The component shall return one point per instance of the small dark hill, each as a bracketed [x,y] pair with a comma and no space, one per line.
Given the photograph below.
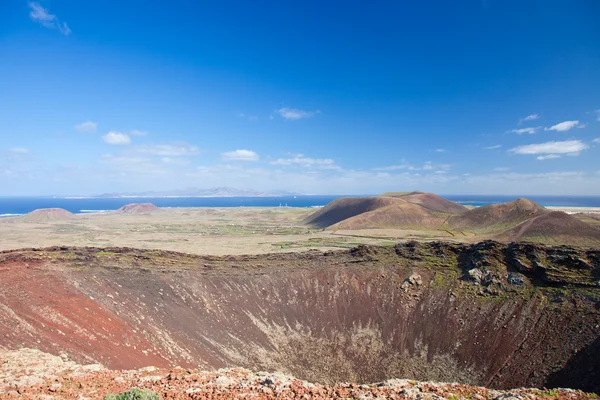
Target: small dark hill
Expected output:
[403,215]
[555,227]
[47,214]
[497,217]
[341,209]
[138,208]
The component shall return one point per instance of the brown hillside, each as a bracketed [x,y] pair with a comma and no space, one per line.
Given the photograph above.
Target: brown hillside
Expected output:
[434,202]
[341,209]
[497,217]
[47,214]
[138,208]
[424,205]
[403,215]
[555,227]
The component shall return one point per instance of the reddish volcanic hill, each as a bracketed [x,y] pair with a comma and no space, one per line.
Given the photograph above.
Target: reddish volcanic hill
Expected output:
[341,209]
[497,217]
[406,210]
[433,202]
[138,208]
[555,227]
[403,215]
[524,220]
[47,214]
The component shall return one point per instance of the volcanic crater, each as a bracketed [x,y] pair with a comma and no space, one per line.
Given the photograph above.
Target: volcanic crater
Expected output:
[493,314]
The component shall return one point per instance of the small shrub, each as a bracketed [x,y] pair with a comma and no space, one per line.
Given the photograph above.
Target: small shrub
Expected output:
[134,394]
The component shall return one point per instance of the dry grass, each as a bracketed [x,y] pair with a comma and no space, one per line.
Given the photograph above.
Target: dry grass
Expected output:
[216,231]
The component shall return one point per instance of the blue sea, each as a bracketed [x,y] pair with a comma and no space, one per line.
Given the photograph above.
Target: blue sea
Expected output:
[13,206]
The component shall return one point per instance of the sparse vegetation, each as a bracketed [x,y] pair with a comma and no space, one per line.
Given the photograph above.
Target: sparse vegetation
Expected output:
[134,394]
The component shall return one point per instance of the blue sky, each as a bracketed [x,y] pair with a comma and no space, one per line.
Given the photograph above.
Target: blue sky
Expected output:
[454,97]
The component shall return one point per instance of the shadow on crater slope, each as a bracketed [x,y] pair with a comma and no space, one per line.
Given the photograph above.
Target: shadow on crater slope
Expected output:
[499,315]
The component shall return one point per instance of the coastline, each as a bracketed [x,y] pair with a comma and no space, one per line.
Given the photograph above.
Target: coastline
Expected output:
[575,210]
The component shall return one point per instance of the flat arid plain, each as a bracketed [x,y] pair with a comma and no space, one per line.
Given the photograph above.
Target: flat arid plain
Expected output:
[234,231]
[215,231]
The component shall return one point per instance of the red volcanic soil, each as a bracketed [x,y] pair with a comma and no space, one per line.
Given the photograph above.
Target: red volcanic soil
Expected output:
[47,214]
[492,314]
[40,308]
[138,208]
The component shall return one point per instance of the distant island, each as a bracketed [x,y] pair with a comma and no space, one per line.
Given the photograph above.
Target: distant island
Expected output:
[196,192]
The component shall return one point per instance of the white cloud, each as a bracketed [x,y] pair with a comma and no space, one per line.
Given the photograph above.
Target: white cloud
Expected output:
[581,126]
[521,131]
[176,149]
[42,16]
[597,140]
[18,150]
[497,146]
[440,150]
[294,113]
[571,147]
[87,126]
[393,168]
[548,157]
[427,166]
[135,132]
[300,160]
[563,126]
[240,155]
[175,161]
[531,117]
[116,138]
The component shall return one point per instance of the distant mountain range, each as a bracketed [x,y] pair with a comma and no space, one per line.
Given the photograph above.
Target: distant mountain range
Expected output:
[196,192]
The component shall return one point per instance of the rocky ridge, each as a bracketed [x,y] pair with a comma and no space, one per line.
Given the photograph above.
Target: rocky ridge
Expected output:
[31,374]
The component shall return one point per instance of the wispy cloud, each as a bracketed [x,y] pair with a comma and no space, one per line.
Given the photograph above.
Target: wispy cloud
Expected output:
[116,138]
[569,147]
[295,113]
[531,117]
[135,132]
[501,169]
[496,146]
[521,131]
[240,155]
[176,149]
[427,166]
[301,160]
[597,140]
[598,113]
[42,16]
[440,150]
[87,127]
[563,126]
[548,157]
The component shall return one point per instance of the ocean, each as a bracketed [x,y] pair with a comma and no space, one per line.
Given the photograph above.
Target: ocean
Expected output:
[13,206]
